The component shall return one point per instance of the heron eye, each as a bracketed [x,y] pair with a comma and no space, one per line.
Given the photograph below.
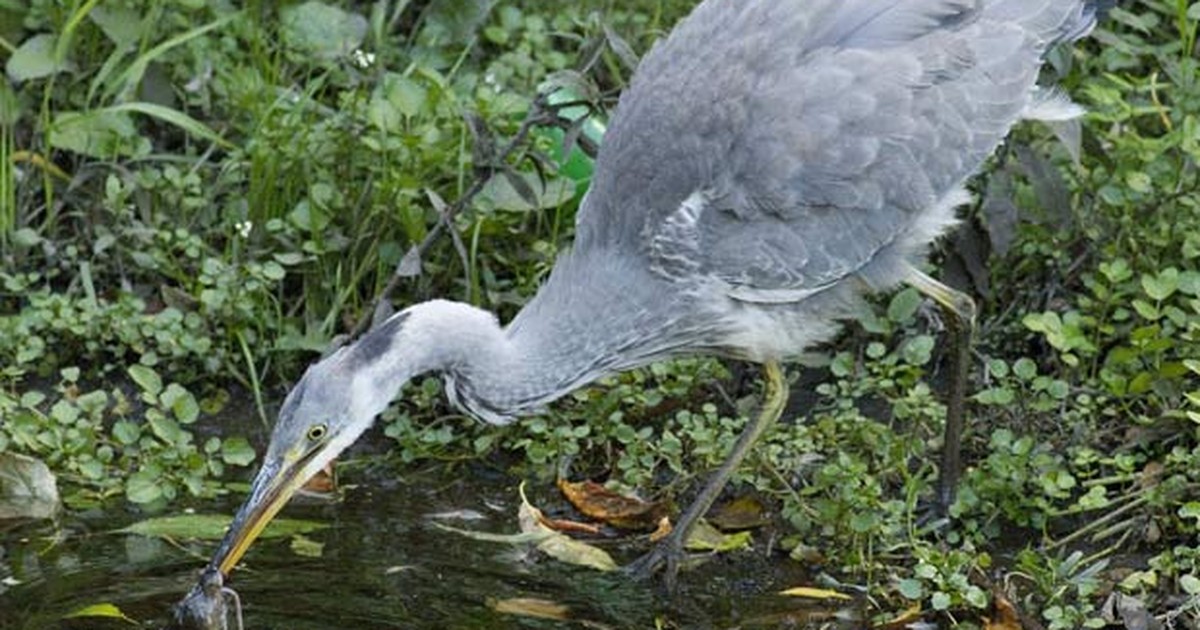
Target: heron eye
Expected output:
[316,432]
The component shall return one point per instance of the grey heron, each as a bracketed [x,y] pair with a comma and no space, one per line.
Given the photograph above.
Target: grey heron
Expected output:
[771,162]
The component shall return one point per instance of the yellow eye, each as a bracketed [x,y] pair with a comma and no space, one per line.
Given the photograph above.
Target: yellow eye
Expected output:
[316,432]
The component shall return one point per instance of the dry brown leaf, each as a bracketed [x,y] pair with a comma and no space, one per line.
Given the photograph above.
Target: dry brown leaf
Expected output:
[530,607]
[567,525]
[1006,617]
[1151,474]
[663,530]
[595,501]
[904,620]
[323,482]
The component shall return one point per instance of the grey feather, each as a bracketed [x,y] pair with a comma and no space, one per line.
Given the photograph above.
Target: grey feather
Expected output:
[823,134]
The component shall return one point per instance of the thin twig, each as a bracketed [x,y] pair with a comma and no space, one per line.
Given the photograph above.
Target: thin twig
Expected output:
[1100,522]
[539,114]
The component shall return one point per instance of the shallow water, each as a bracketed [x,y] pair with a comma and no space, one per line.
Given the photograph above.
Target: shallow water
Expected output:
[384,564]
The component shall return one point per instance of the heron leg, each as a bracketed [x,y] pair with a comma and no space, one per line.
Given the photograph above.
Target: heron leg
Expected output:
[670,550]
[959,309]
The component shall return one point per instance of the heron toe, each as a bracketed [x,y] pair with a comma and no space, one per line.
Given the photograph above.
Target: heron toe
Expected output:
[667,556]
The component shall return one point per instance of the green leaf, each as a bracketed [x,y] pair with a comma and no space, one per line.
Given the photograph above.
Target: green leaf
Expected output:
[273,271]
[105,611]
[904,305]
[918,350]
[146,378]
[213,526]
[323,31]
[705,537]
[181,403]
[1116,271]
[165,428]
[236,451]
[308,216]
[171,117]
[304,546]
[976,597]
[911,589]
[500,193]
[121,25]
[1190,584]
[1025,369]
[940,601]
[1161,286]
[397,96]
[127,82]
[289,258]
[10,113]
[126,432]
[34,59]
[143,487]
[98,133]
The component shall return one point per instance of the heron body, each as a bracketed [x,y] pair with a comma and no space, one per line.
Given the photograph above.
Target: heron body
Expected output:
[770,163]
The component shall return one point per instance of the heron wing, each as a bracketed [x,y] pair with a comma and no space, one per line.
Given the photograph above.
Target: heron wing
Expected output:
[782,146]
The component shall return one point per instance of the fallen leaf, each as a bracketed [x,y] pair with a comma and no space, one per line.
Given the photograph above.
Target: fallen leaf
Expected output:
[595,501]
[213,526]
[304,546]
[324,482]
[457,515]
[105,610]
[530,607]
[520,538]
[806,553]
[552,543]
[1134,614]
[1151,474]
[909,619]
[741,513]
[705,537]
[810,592]
[1006,617]
[566,525]
[27,488]
[663,530]
[560,546]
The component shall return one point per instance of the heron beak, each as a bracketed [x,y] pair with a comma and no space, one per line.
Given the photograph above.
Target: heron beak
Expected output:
[275,483]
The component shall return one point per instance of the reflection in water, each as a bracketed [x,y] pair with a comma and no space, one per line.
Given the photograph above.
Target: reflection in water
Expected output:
[383,564]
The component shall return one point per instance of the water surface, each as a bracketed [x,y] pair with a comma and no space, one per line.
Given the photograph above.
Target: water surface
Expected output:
[383,563]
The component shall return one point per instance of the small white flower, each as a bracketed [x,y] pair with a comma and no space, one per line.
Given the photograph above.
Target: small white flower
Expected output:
[363,59]
[243,228]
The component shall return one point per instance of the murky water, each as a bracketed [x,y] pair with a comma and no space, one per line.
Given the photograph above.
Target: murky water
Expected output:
[384,564]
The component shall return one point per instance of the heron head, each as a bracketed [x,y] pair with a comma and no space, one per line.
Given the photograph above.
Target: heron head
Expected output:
[338,398]
[319,419]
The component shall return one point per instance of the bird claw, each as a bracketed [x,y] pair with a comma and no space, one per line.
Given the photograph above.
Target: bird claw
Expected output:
[932,514]
[665,556]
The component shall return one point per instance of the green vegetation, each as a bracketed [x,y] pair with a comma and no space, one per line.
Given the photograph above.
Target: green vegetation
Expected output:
[195,201]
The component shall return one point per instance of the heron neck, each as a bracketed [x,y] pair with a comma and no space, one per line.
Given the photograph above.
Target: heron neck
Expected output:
[575,330]
[594,316]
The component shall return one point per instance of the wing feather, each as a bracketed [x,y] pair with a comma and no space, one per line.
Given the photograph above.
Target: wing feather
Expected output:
[812,136]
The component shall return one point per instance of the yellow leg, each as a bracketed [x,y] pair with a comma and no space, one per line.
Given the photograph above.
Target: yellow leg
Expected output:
[960,319]
[670,550]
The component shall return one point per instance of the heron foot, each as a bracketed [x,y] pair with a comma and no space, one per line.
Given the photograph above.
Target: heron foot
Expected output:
[932,515]
[667,555]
